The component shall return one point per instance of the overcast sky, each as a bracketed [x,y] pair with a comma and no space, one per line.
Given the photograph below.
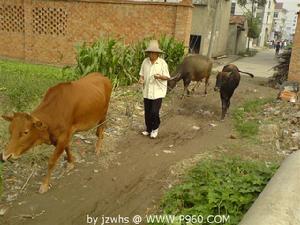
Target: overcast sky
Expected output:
[290,5]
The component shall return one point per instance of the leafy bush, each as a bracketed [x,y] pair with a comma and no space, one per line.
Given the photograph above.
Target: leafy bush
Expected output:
[121,62]
[219,187]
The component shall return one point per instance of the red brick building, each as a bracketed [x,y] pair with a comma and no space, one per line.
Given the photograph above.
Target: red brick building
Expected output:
[294,71]
[47,31]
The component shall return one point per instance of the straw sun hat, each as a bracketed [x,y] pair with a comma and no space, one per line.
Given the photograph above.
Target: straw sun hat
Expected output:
[153,47]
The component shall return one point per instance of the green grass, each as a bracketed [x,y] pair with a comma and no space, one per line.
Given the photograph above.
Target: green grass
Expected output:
[218,187]
[1,183]
[22,84]
[245,121]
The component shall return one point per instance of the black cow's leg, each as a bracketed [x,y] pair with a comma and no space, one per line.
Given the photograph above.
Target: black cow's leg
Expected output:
[224,107]
[228,103]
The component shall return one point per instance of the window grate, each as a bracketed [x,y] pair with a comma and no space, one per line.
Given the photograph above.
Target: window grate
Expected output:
[12,18]
[49,21]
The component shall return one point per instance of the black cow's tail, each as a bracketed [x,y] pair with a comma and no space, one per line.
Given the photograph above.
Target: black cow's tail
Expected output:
[250,74]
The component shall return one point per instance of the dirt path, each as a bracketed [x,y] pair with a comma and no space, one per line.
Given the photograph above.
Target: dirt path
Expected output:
[136,180]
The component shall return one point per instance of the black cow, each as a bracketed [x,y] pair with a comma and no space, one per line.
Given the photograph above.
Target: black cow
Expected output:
[227,81]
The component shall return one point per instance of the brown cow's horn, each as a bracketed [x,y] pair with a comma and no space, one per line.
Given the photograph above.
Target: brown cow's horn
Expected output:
[175,77]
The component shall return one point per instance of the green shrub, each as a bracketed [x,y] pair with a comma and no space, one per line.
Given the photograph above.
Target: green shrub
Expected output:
[218,187]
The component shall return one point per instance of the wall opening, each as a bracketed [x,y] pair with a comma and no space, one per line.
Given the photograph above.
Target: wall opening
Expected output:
[195,43]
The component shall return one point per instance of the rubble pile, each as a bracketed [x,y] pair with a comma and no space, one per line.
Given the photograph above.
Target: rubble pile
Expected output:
[281,70]
[281,126]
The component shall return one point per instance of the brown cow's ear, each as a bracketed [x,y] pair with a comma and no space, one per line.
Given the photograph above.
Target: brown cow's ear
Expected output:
[40,125]
[7,118]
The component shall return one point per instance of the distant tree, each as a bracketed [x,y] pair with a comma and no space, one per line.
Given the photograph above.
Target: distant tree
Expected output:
[253,22]
[253,26]
[252,2]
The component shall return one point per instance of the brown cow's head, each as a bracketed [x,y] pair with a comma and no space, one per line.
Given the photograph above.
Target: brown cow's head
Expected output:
[173,81]
[25,132]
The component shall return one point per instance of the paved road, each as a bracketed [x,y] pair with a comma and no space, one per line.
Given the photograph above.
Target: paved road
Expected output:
[260,65]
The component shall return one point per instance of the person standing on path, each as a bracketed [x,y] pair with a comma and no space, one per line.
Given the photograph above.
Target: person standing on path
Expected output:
[154,74]
[277,47]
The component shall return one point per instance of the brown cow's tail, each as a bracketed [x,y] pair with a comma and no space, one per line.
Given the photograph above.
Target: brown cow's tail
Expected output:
[250,74]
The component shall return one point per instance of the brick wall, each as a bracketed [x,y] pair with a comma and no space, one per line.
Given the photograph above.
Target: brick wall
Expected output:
[47,31]
[294,72]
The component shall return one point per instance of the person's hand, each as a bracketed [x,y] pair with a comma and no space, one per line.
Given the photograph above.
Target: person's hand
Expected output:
[141,80]
[157,76]
[161,77]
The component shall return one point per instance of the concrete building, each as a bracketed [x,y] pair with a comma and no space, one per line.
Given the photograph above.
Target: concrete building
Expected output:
[290,25]
[294,70]
[203,17]
[280,16]
[237,40]
[237,10]
[266,14]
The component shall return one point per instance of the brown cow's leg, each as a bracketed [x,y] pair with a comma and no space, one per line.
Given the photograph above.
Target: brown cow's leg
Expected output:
[206,85]
[70,159]
[186,83]
[100,134]
[52,161]
[196,86]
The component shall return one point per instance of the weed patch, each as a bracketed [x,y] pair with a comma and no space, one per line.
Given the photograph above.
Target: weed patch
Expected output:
[218,187]
[245,121]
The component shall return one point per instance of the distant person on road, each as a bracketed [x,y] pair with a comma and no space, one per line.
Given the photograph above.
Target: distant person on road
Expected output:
[277,48]
[154,74]
[284,44]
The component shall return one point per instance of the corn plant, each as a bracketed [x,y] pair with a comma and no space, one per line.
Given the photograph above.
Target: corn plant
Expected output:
[121,62]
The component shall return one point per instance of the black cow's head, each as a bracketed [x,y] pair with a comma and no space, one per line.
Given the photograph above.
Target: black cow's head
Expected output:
[221,78]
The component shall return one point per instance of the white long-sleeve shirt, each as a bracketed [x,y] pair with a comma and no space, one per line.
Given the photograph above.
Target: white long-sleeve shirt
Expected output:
[154,88]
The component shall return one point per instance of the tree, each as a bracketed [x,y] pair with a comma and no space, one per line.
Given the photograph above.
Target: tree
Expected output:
[260,3]
[253,21]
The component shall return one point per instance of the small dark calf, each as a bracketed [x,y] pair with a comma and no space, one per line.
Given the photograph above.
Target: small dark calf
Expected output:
[227,81]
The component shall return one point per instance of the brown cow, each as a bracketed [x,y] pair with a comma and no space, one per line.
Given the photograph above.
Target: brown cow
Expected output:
[65,109]
[193,68]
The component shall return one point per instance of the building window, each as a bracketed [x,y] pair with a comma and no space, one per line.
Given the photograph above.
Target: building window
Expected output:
[195,43]
[233,4]
[275,14]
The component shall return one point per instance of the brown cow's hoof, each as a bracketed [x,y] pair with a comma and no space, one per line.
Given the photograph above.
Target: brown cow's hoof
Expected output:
[43,188]
[70,166]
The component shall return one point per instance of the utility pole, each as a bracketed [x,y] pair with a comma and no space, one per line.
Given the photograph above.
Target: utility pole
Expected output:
[251,22]
[213,32]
